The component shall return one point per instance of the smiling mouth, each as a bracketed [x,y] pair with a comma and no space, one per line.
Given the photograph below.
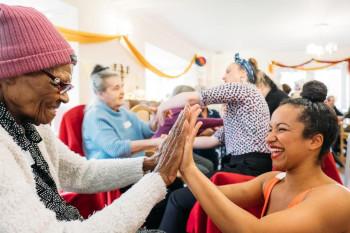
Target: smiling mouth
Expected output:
[276,152]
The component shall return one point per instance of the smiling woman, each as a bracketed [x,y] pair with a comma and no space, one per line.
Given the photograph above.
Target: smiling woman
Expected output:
[35,75]
[33,97]
[301,131]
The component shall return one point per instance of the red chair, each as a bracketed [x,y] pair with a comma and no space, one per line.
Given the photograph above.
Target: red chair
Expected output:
[198,221]
[330,169]
[70,129]
[70,133]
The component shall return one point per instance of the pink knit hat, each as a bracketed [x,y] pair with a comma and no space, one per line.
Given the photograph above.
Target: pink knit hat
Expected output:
[29,42]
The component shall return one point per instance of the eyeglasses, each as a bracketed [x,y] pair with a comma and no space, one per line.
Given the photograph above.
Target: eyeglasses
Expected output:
[62,87]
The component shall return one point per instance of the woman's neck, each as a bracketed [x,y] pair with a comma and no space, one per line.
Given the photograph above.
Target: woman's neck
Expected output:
[307,175]
[114,108]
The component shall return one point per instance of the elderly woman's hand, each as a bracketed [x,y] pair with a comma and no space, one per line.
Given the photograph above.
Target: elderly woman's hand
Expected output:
[149,163]
[171,150]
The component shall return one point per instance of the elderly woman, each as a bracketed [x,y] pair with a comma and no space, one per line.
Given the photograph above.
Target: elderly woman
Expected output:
[109,129]
[35,75]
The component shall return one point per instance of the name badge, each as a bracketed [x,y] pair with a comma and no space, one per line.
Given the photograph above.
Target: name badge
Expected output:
[127,124]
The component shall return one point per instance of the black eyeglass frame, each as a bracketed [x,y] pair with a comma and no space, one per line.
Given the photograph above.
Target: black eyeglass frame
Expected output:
[62,87]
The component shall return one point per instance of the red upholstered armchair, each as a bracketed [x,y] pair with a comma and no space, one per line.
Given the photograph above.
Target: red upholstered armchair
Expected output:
[70,133]
[199,222]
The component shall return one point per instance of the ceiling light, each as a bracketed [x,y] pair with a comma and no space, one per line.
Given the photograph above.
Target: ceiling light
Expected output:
[319,50]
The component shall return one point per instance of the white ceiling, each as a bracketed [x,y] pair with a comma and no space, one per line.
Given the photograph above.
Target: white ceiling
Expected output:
[225,25]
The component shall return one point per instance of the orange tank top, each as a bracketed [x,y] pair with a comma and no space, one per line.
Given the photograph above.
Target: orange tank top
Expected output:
[268,189]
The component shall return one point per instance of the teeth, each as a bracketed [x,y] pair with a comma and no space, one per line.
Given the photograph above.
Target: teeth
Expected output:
[274,150]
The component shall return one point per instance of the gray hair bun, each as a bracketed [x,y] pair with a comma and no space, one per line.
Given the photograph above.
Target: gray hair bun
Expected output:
[98,68]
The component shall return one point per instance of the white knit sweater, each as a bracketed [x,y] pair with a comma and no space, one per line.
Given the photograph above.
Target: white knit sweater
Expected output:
[22,211]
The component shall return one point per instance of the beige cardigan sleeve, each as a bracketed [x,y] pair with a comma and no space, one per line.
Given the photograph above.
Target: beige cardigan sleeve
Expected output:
[23,212]
[77,174]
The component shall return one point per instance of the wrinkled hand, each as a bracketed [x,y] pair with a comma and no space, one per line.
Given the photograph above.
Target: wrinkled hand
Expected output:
[149,163]
[187,159]
[172,148]
[161,139]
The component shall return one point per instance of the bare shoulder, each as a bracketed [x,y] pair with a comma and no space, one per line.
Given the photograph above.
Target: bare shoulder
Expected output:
[266,177]
[336,191]
[332,203]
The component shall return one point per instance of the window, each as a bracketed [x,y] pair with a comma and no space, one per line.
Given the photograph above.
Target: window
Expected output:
[333,80]
[336,79]
[295,79]
[159,88]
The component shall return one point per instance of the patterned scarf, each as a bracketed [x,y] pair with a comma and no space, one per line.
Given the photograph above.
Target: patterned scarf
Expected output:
[27,138]
[246,66]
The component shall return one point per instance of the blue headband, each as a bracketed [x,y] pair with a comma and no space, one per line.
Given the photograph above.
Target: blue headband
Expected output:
[246,66]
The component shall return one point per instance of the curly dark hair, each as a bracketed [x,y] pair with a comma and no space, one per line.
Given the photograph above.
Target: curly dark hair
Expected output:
[317,117]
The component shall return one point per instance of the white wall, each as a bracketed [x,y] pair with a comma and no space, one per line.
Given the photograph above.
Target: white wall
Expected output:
[102,17]
[264,58]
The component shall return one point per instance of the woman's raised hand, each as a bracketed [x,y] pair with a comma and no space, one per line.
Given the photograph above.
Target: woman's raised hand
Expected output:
[187,160]
[172,148]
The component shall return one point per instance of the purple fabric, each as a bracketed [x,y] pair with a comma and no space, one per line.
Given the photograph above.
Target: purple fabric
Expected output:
[169,122]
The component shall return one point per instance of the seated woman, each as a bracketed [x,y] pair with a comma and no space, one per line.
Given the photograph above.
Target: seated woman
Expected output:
[35,76]
[109,129]
[302,199]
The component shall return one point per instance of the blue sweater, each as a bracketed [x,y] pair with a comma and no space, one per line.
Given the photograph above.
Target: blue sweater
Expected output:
[108,134]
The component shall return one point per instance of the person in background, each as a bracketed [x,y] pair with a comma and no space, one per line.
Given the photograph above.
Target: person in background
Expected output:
[270,91]
[245,127]
[286,88]
[36,66]
[110,130]
[301,132]
[296,90]
[330,101]
[205,165]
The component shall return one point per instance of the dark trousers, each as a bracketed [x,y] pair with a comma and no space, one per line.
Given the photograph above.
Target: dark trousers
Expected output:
[155,216]
[182,200]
